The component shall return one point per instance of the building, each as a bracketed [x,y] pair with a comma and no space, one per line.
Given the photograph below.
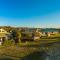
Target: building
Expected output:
[37,35]
[52,33]
[3,35]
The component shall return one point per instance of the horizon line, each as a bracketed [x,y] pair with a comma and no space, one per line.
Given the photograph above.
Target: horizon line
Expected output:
[27,27]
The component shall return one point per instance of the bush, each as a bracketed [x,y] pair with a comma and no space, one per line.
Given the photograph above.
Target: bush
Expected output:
[28,44]
[8,42]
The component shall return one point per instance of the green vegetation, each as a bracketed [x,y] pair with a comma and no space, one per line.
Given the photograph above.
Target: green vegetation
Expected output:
[16,35]
[15,49]
[26,50]
[56,35]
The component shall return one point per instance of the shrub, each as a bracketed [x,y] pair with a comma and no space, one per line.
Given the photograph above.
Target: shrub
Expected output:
[8,42]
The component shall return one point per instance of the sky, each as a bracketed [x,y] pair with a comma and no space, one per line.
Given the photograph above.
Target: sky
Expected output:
[30,13]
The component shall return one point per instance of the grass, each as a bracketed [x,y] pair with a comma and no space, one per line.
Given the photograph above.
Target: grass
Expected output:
[32,43]
[26,51]
[15,52]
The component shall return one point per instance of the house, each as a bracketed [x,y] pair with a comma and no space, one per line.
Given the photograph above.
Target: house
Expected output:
[26,36]
[3,35]
[52,33]
[37,35]
[43,34]
[31,35]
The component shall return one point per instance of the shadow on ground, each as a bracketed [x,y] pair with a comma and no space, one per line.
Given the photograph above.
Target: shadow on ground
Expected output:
[6,58]
[36,56]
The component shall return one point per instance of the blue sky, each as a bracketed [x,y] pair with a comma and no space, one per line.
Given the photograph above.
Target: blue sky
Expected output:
[30,13]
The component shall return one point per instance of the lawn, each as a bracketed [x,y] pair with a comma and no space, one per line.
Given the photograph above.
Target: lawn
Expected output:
[18,53]
[28,50]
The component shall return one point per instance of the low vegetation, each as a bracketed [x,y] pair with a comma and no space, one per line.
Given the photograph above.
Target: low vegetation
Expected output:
[26,51]
[16,49]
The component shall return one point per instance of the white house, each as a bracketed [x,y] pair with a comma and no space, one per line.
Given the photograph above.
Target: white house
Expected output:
[3,35]
[37,35]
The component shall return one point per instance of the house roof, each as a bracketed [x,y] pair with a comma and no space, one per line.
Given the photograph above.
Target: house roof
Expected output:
[3,33]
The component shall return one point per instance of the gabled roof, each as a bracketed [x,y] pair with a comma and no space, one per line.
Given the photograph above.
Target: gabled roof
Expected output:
[3,32]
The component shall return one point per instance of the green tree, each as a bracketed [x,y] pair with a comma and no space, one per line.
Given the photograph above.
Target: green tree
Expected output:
[16,35]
